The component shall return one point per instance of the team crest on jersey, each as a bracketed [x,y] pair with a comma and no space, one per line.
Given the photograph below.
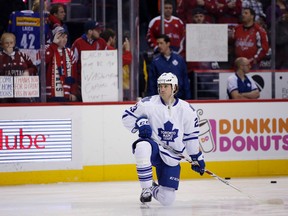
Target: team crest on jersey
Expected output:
[168,134]
[175,62]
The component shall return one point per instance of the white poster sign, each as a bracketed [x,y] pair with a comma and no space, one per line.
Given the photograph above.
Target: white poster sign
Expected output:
[99,76]
[206,42]
[26,86]
[6,86]
[263,81]
[281,85]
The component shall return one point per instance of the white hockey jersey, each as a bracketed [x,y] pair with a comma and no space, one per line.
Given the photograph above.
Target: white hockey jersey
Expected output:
[176,126]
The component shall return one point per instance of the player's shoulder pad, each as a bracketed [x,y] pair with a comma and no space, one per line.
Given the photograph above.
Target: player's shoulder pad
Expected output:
[184,105]
[146,100]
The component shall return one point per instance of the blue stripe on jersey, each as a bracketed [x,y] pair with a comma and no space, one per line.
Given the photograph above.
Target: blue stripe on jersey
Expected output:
[191,138]
[179,151]
[195,132]
[176,158]
[129,114]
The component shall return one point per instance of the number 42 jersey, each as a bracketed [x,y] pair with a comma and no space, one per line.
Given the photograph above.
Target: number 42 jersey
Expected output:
[25,25]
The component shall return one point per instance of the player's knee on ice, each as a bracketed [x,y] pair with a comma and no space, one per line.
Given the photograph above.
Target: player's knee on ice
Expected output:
[165,195]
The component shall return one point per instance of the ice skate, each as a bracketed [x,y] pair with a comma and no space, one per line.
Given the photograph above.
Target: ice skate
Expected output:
[146,195]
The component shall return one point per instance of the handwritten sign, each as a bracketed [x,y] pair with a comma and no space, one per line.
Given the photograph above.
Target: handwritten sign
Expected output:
[26,86]
[99,76]
[6,86]
[206,42]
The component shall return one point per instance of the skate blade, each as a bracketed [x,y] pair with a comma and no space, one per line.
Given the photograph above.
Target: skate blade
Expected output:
[144,205]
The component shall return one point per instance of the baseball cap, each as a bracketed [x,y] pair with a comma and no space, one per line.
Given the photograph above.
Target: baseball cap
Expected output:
[198,10]
[90,25]
[58,29]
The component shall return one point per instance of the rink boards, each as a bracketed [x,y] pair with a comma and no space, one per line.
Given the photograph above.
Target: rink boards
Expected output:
[87,142]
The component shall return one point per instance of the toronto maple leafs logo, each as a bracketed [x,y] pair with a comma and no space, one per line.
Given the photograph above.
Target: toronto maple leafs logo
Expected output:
[175,62]
[168,134]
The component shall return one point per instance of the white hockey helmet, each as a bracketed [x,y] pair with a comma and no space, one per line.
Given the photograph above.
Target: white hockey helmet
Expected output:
[169,78]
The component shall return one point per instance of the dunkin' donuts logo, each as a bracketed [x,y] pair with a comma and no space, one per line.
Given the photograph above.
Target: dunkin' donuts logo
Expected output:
[259,134]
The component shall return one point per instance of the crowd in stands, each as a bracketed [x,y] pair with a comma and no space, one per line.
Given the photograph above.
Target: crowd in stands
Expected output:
[249,29]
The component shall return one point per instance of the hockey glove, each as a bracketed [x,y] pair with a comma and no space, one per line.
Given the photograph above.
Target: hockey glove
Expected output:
[143,126]
[200,167]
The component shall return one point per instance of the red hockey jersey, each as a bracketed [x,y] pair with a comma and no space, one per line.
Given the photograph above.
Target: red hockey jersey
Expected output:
[251,42]
[174,28]
[16,64]
[60,72]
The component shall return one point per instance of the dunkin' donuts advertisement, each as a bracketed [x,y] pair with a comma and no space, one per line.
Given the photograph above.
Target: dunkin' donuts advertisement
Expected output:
[239,131]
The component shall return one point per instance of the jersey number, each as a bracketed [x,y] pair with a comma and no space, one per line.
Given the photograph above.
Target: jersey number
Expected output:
[27,41]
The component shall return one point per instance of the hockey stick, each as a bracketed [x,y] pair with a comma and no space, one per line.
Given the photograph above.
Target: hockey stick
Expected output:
[169,148]
[271,201]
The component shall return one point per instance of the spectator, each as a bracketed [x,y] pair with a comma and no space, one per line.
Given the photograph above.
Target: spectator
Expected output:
[90,40]
[282,42]
[239,85]
[163,120]
[185,8]
[257,6]
[281,8]
[173,27]
[168,60]
[60,69]
[36,6]
[228,11]
[250,39]
[56,18]
[110,37]
[199,16]
[14,63]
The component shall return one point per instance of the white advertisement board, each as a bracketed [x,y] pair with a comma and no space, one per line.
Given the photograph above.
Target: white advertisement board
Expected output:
[263,81]
[35,140]
[281,85]
[229,131]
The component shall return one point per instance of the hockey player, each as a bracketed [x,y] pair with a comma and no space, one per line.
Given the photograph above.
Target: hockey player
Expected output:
[163,120]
